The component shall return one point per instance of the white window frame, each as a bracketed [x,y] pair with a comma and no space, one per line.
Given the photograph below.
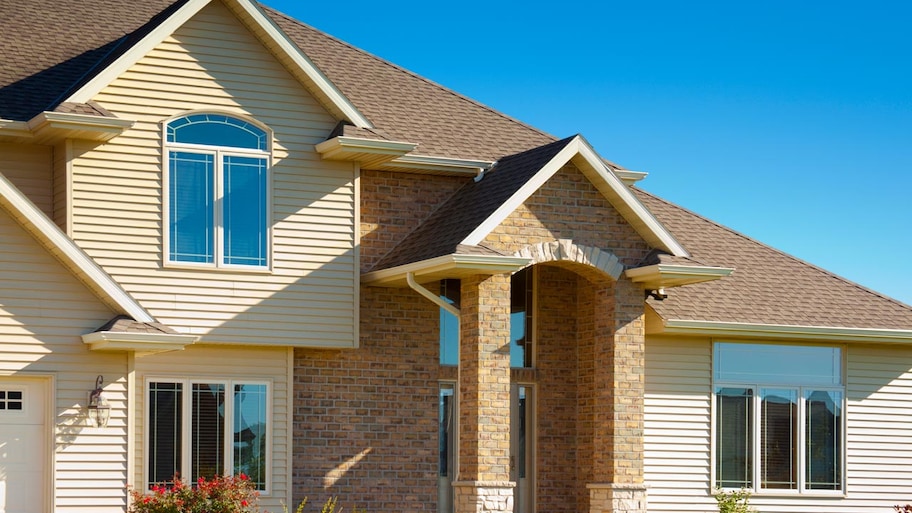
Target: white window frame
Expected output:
[186,422]
[801,439]
[218,153]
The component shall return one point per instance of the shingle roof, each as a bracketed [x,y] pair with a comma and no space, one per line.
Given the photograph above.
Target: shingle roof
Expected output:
[768,286]
[49,47]
[124,324]
[455,219]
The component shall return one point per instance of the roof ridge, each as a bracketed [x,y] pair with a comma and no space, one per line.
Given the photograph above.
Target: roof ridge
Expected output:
[411,73]
[776,250]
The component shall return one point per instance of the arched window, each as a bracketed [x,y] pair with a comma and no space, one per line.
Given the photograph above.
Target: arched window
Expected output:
[217,195]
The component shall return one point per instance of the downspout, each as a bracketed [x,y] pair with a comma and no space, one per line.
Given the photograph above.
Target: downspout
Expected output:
[434,298]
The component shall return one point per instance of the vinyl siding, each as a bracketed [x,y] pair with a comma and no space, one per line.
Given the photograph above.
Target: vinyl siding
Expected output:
[43,312]
[28,167]
[678,430]
[260,364]
[214,63]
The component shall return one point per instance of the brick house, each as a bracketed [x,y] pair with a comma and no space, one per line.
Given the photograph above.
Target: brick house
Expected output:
[273,253]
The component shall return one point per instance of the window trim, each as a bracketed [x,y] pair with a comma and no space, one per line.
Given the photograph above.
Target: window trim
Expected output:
[218,152]
[801,439]
[186,422]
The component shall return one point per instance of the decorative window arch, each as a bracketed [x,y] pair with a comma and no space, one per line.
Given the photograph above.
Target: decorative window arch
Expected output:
[217,201]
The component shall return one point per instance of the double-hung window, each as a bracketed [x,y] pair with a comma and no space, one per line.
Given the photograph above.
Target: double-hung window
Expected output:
[779,417]
[207,428]
[217,192]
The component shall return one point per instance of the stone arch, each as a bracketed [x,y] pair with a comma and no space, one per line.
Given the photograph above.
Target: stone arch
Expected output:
[566,251]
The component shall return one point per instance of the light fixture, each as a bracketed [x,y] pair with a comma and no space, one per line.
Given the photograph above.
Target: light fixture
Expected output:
[99,409]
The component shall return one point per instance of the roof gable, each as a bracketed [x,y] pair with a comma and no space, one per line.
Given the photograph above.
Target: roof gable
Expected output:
[261,25]
[64,249]
[29,87]
[479,207]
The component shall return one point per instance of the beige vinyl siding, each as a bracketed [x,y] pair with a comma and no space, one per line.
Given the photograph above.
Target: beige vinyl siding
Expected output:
[29,168]
[678,431]
[214,63]
[43,312]
[238,363]
[677,423]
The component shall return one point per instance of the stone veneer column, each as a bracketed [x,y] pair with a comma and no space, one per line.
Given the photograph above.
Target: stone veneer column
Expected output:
[620,337]
[484,397]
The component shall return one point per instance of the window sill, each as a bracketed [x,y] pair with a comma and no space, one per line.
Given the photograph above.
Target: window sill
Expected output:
[186,266]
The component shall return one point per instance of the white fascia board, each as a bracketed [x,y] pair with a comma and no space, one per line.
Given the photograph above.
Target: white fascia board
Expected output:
[11,128]
[137,51]
[669,275]
[70,121]
[542,176]
[442,163]
[73,257]
[639,211]
[783,331]
[305,64]
[181,16]
[146,343]
[627,176]
[355,144]
[483,264]
[579,146]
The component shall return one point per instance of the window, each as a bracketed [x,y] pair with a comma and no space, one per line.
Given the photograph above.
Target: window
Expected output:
[208,428]
[449,324]
[217,192]
[521,293]
[778,417]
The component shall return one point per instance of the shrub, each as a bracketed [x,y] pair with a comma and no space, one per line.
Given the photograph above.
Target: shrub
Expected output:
[903,509]
[221,494]
[735,501]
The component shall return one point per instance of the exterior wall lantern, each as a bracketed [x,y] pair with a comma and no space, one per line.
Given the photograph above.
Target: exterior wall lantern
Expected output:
[98,408]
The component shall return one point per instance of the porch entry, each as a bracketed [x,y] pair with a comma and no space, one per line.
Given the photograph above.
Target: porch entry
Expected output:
[522,447]
[23,446]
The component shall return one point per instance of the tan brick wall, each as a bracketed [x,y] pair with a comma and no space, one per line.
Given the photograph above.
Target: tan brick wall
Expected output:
[557,371]
[568,206]
[365,420]
[484,388]
[393,204]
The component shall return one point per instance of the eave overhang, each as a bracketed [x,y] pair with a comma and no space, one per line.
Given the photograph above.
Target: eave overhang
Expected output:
[427,164]
[370,153]
[50,127]
[670,275]
[447,266]
[141,343]
[780,331]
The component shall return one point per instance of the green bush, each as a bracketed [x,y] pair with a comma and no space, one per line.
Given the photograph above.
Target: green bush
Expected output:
[735,501]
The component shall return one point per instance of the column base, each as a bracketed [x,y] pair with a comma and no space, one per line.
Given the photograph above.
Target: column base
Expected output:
[617,498]
[483,496]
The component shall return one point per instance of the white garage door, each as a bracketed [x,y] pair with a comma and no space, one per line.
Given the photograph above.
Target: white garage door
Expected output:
[22,446]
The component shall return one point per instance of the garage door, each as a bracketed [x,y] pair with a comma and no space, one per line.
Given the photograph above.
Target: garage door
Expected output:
[23,442]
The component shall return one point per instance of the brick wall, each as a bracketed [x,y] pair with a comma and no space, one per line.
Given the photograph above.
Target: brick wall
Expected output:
[568,206]
[557,372]
[393,204]
[365,420]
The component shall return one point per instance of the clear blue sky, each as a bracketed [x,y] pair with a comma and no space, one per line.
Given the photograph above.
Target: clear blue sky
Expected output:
[790,122]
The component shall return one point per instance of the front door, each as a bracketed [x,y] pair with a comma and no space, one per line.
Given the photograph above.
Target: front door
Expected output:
[23,446]
[522,447]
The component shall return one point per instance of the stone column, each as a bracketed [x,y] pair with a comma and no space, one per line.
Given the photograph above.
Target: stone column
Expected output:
[484,397]
[619,388]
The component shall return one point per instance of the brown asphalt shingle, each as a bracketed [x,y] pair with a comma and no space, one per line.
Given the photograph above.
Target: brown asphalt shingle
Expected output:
[124,324]
[768,286]
[48,48]
[455,219]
